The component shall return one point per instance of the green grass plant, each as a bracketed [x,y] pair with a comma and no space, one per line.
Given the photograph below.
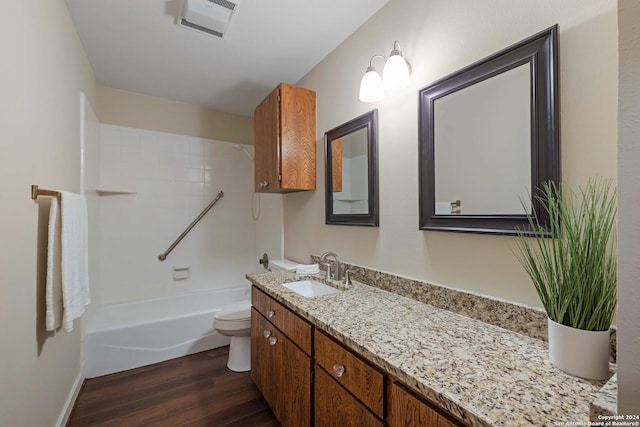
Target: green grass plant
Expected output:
[574,271]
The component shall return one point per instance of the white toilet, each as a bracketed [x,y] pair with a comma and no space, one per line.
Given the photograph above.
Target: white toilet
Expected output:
[235,321]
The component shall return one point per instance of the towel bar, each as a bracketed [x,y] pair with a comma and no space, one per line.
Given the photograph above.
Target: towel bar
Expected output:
[36,192]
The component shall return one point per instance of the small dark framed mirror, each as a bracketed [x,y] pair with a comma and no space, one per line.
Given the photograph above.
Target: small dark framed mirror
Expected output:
[351,172]
[489,139]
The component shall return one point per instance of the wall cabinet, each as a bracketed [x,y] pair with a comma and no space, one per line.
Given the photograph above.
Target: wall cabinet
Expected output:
[285,140]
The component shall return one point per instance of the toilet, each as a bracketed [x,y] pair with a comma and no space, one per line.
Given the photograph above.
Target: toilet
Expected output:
[234,321]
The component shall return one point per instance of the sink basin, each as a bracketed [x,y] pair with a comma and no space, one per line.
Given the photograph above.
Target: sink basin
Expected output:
[310,288]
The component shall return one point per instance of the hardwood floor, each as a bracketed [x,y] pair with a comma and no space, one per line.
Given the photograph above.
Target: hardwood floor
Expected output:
[195,390]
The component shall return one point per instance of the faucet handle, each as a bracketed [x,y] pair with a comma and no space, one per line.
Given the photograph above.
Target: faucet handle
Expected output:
[347,278]
[328,268]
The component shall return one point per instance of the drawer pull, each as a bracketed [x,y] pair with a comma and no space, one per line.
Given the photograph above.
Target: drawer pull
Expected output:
[273,340]
[338,370]
[266,333]
[270,314]
[263,184]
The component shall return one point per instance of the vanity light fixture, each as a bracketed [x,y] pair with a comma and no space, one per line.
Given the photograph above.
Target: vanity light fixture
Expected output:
[395,75]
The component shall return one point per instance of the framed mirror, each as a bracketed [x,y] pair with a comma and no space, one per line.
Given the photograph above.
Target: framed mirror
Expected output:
[351,172]
[489,139]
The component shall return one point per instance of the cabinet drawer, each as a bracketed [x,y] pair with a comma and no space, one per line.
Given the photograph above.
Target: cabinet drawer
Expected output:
[294,327]
[360,378]
[407,410]
[334,406]
[260,301]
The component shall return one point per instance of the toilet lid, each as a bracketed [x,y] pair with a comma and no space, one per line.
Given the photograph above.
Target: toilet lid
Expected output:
[236,311]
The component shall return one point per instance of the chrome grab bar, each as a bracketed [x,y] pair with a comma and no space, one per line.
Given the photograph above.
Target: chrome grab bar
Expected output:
[163,256]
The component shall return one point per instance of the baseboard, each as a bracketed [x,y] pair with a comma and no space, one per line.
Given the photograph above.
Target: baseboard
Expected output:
[71,400]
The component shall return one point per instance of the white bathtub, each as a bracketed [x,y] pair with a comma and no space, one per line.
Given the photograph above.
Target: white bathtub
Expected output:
[129,335]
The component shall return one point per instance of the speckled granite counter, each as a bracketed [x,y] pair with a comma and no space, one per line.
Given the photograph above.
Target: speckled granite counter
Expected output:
[483,374]
[604,402]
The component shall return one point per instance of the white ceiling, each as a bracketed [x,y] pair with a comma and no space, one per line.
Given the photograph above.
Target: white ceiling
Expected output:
[136,45]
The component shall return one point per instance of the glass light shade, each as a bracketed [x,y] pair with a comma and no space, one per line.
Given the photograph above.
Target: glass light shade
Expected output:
[371,89]
[396,73]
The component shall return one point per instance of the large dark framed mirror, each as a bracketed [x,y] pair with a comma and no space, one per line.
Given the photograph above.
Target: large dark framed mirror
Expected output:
[351,172]
[489,139]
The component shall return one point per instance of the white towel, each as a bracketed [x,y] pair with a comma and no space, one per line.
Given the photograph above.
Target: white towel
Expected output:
[53,318]
[307,269]
[74,257]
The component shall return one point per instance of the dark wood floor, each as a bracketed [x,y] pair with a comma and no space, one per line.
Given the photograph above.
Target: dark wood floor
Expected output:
[195,390]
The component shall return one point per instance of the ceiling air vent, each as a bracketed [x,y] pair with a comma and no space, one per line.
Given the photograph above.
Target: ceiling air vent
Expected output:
[208,16]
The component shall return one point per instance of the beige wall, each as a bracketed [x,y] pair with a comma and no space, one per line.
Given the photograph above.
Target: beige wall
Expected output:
[629,210]
[439,37]
[43,70]
[119,107]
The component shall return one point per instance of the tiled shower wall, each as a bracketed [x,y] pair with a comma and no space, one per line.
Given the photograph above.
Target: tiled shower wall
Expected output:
[171,178]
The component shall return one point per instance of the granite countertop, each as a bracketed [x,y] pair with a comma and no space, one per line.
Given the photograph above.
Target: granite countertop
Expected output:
[483,374]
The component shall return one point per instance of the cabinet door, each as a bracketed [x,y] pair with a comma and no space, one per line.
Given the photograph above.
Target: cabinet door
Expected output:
[334,406]
[406,410]
[261,361]
[267,143]
[282,373]
[298,138]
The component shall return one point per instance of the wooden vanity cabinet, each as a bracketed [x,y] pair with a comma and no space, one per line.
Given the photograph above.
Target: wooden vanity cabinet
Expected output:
[405,409]
[280,368]
[290,359]
[285,140]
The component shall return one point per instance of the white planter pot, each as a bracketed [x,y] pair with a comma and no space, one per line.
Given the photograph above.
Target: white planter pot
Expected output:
[578,352]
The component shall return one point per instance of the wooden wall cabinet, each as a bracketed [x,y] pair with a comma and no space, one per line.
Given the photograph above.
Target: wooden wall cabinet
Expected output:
[285,141]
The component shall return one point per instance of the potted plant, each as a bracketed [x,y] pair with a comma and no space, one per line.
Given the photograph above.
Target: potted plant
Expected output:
[574,273]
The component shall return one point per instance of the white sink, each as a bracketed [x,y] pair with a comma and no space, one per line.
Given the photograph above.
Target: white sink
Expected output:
[310,288]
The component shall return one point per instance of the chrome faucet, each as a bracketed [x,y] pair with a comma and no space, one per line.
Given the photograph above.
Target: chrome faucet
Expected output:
[336,273]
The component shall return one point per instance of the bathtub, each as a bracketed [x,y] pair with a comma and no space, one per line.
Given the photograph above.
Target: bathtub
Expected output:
[129,335]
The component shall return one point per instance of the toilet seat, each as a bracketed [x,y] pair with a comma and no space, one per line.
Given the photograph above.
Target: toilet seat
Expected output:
[234,317]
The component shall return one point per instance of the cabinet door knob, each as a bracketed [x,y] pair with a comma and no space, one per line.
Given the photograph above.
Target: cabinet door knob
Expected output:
[338,370]
[270,314]
[266,333]
[273,340]
[263,184]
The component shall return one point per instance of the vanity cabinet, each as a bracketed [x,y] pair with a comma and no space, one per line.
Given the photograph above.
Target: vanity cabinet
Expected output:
[285,140]
[280,368]
[293,363]
[405,409]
